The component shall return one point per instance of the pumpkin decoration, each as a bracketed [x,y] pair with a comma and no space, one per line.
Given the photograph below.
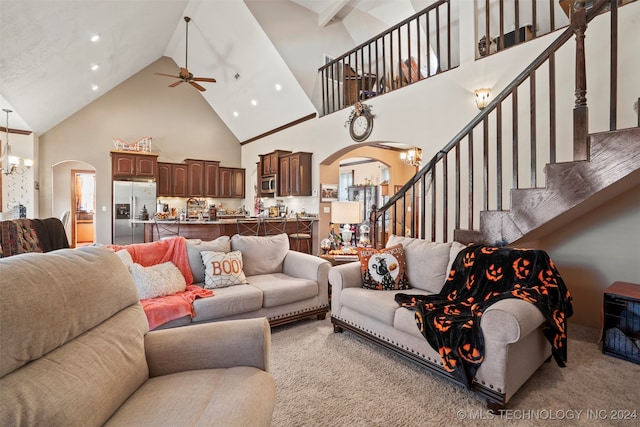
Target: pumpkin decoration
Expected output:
[523,294]
[471,280]
[470,353]
[468,324]
[521,268]
[494,273]
[468,302]
[453,295]
[469,259]
[451,310]
[442,323]
[548,278]
[491,295]
[452,274]
[420,321]
[488,250]
[558,318]
[448,359]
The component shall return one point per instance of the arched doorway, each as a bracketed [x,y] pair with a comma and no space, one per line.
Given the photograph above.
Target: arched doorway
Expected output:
[364,160]
[73,191]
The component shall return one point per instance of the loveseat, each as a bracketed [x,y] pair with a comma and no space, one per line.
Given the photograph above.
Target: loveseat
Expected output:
[513,329]
[76,351]
[277,283]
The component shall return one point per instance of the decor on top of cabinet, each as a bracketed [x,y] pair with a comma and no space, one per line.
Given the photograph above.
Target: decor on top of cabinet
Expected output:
[142,144]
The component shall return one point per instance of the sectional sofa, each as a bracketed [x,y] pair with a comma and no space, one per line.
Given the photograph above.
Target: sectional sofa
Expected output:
[76,351]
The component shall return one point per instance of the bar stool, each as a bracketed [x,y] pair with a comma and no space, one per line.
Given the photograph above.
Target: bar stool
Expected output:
[273,227]
[248,227]
[302,234]
[167,229]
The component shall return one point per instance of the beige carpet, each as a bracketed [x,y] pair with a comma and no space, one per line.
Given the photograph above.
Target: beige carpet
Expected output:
[328,379]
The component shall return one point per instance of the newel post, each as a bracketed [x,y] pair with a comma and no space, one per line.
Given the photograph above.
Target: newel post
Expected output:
[581,110]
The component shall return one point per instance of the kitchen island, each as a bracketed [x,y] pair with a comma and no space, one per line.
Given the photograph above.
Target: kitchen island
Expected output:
[210,230]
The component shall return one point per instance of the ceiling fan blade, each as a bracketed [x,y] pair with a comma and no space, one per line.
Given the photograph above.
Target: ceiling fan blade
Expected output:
[166,75]
[203,79]
[197,86]
[176,83]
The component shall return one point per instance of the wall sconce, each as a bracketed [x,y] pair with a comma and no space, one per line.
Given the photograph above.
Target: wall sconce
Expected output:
[482,97]
[10,163]
[412,157]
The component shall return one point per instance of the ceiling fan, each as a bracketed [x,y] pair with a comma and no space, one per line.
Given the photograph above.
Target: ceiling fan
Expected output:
[185,76]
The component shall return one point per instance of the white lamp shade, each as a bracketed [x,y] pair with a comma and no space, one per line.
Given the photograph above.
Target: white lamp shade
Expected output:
[346,213]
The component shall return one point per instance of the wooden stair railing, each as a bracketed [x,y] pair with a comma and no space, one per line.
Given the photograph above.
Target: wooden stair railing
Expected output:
[407,212]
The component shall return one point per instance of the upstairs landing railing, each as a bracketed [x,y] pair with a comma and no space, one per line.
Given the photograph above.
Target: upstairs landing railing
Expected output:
[449,192]
[425,45]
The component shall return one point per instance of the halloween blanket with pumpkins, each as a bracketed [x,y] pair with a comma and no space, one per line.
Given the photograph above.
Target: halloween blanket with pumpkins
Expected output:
[480,276]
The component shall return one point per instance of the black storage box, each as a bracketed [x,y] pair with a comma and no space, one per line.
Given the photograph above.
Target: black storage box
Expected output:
[621,321]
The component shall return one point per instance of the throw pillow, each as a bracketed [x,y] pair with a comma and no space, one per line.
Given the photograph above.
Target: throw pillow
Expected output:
[157,280]
[125,257]
[196,246]
[222,269]
[383,269]
[427,262]
[262,254]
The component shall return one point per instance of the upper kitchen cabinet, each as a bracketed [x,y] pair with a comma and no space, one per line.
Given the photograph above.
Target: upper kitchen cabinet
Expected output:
[271,162]
[295,174]
[126,165]
[203,177]
[172,180]
[231,182]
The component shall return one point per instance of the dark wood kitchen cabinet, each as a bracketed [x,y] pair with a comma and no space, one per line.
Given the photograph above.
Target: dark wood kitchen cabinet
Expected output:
[126,165]
[172,180]
[195,183]
[295,175]
[270,162]
[203,178]
[211,178]
[231,182]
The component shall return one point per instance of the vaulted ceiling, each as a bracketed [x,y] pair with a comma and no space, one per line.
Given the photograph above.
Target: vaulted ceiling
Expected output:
[50,68]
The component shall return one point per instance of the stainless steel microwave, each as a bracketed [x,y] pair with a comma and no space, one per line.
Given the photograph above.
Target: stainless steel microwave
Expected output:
[268,186]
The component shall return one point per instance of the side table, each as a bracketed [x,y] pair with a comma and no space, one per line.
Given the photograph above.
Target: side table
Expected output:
[621,321]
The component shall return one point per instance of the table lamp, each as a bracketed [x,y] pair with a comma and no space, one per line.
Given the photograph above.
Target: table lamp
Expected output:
[346,213]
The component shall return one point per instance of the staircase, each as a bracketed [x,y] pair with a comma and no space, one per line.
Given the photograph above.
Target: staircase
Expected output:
[454,187]
[572,188]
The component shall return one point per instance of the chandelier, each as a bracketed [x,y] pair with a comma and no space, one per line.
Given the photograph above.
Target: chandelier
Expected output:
[412,157]
[12,164]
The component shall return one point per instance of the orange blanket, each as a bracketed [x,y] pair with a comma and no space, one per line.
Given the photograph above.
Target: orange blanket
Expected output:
[160,310]
[163,309]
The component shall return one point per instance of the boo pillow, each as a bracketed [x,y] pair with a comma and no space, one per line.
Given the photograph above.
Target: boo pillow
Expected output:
[222,269]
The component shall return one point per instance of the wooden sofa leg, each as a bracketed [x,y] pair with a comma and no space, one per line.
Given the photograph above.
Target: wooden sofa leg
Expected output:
[337,329]
[494,407]
[322,316]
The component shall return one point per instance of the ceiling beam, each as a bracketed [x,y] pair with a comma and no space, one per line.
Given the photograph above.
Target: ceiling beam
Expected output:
[331,11]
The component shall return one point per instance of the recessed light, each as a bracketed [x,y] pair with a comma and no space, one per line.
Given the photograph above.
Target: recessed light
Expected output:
[278,86]
[94,87]
[95,67]
[235,114]
[254,102]
[95,38]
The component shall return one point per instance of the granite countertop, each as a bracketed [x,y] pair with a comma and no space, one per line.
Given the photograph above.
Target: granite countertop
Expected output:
[218,221]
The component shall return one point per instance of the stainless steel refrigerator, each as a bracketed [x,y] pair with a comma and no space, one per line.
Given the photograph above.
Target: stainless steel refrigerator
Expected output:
[129,197]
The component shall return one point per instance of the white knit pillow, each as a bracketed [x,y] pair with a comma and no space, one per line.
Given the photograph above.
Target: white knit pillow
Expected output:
[222,269]
[157,280]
